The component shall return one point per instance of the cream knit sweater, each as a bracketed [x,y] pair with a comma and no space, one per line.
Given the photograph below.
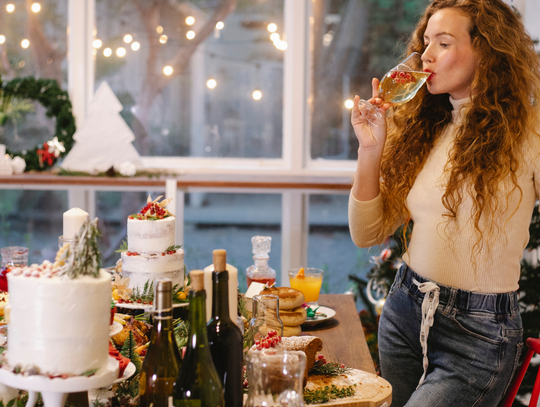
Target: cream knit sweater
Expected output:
[441,251]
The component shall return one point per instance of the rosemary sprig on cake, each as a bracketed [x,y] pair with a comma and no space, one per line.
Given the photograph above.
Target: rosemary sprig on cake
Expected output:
[83,258]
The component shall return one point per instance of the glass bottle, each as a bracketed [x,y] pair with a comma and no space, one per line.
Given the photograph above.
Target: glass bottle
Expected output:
[198,383]
[260,271]
[224,337]
[162,362]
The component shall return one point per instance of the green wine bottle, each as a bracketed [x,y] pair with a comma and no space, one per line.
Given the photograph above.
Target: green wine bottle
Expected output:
[224,336]
[162,362]
[198,384]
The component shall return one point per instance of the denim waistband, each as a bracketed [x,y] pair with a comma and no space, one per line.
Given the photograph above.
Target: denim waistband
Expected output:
[462,300]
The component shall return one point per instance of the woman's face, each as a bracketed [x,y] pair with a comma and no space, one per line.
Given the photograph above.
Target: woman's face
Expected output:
[449,54]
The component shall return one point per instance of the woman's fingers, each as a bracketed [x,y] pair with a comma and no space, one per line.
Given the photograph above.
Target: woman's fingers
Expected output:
[375,88]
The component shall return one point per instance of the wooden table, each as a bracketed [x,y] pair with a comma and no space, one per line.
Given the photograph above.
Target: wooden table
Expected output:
[342,336]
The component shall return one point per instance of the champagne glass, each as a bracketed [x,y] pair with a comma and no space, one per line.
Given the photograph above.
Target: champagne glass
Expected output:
[398,86]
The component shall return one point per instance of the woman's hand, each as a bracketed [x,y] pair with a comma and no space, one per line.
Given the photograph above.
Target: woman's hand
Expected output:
[370,136]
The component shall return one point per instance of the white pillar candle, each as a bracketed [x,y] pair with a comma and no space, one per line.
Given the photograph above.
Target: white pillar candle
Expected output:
[73,220]
[233,291]
[2,151]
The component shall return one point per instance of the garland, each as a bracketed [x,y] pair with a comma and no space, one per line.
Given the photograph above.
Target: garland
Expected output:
[56,101]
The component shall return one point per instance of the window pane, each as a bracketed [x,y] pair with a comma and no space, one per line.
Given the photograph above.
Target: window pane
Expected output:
[31,44]
[229,221]
[193,96]
[32,219]
[353,42]
[330,246]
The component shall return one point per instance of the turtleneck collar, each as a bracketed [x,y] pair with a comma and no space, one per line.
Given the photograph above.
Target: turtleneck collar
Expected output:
[458,106]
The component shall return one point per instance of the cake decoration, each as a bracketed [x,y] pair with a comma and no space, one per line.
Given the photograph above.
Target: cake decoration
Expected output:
[153,210]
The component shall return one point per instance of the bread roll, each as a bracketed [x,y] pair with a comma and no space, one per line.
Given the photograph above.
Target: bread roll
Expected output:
[289,298]
[290,317]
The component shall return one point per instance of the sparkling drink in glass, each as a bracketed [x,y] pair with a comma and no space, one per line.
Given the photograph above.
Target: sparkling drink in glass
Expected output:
[399,85]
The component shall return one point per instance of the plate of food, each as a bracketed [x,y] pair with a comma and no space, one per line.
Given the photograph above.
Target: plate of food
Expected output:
[318,314]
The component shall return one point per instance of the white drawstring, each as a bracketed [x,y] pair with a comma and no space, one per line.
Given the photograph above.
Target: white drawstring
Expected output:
[429,306]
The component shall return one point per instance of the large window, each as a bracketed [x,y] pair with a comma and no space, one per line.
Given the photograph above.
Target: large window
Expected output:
[195,79]
[353,42]
[33,42]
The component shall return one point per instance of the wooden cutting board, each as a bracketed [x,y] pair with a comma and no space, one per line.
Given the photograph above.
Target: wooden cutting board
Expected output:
[371,390]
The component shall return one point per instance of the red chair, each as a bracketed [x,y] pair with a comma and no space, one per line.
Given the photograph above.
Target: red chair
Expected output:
[534,347]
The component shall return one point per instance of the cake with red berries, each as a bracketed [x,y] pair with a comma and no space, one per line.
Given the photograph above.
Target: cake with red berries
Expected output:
[151,250]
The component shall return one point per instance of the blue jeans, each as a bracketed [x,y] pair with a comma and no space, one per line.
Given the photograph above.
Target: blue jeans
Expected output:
[473,346]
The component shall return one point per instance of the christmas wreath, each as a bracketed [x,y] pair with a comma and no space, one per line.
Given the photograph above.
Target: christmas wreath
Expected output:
[57,105]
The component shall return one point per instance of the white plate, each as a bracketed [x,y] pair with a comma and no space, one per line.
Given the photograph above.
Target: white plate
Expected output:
[149,307]
[128,372]
[115,328]
[329,312]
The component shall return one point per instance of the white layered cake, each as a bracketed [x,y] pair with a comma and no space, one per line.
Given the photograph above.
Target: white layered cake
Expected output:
[58,325]
[152,253]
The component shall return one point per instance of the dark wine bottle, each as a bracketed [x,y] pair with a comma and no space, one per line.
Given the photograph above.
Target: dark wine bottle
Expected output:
[198,383]
[224,336]
[162,362]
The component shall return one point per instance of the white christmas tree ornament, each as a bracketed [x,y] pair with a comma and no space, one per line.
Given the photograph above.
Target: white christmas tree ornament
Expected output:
[105,139]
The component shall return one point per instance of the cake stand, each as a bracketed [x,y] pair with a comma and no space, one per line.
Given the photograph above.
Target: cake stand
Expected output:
[54,391]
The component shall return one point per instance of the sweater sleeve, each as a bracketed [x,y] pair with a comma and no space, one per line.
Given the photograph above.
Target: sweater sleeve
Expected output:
[365,222]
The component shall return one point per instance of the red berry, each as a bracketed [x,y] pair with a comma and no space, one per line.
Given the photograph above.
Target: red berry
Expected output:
[342,365]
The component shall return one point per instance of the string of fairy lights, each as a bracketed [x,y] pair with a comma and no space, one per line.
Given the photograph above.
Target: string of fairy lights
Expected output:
[135,46]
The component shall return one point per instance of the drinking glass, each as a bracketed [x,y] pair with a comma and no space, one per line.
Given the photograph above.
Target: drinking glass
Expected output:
[265,316]
[398,86]
[275,378]
[309,283]
[14,256]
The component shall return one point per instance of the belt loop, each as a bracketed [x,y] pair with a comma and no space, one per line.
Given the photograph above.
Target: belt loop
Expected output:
[513,302]
[451,301]
[403,270]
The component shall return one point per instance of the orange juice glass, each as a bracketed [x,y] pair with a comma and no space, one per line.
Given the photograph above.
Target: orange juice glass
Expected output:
[310,283]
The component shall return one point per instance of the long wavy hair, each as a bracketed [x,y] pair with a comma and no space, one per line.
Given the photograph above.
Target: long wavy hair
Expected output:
[488,146]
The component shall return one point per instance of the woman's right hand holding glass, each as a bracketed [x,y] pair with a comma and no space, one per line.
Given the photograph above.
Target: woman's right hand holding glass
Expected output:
[370,135]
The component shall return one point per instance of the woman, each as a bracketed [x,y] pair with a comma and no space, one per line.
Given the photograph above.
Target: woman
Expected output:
[461,160]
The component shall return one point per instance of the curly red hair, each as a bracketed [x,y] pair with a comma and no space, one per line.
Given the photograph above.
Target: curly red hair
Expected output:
[488,147]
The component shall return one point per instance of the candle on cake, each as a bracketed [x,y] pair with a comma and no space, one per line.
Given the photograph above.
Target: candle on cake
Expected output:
[73,220]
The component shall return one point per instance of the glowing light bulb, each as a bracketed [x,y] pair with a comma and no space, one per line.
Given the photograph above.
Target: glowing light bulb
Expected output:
[36,7]
[107,52]
[10,8]
[190,20]
[256,95]
[272,27]
[190,35]
[163,39]
[168,70]
[128,38]
[274,37]
[281,45]
[97,43]
[25,43]
[2,39]
[211,83]
[349,104]
[135,46]
[120,52]
[159,29]
[220,25]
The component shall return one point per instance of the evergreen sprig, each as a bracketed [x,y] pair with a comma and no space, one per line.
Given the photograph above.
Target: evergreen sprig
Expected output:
[173,248]
[123,247]
[85,257]
[328,393]
[328,368]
